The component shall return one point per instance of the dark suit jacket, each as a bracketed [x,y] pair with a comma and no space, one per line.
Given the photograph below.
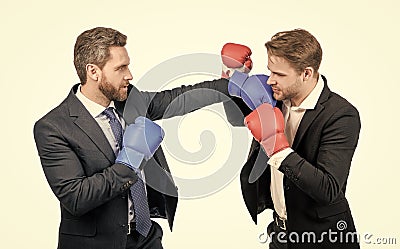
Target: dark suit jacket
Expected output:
[315,175]
[78,163]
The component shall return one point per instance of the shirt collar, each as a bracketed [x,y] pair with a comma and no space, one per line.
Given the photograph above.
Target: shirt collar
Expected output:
[94,109]
[311,100]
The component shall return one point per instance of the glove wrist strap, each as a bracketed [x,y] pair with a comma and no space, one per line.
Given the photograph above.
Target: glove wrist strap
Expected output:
[274,144]
[130,157]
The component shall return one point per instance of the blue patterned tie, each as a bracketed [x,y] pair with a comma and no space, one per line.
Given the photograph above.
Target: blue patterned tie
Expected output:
[138,194]
[142,213]
[116,126]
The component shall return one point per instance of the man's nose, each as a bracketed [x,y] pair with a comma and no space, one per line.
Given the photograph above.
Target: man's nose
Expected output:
[271,81]
[128,76]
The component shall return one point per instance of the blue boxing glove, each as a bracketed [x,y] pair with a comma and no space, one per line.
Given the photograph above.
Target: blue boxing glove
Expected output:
[141,139]
[254,90]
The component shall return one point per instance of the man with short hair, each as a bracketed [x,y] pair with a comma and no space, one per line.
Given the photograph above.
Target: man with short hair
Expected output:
[303,148]
[97,172]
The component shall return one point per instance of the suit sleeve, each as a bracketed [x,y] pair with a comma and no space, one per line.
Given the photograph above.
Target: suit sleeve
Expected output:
[236,110]
[77,192]
[185,99]
[324,181]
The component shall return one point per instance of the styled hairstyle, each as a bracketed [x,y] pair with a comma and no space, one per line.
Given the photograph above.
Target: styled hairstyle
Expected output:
[92,47]
[300,48]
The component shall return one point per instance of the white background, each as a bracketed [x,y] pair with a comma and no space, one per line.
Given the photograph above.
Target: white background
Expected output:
[361,61]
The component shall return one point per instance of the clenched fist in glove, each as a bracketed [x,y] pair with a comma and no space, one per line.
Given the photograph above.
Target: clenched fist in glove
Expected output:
[267,125]
[254,90]
[235,57]
[141,139]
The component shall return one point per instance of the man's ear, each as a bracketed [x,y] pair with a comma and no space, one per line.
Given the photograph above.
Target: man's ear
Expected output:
[308,73]
[93,72]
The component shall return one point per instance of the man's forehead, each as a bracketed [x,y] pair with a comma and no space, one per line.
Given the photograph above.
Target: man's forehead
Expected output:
[119,54]
[279,65]
[118,51]
[278,62]
[273,59]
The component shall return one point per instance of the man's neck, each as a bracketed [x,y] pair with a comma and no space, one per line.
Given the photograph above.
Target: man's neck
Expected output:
[308,87]
[93,93]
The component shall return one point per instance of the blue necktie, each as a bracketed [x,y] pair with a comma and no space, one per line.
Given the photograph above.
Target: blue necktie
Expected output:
[116,126]
[138,194]
[142,213]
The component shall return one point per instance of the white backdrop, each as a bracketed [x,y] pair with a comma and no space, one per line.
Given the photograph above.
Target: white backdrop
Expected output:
[361,58]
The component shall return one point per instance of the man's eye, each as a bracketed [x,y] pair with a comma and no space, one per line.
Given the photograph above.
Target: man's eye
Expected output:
[279,74]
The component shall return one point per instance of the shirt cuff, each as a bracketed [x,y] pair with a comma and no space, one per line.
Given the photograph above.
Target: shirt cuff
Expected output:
[277,159]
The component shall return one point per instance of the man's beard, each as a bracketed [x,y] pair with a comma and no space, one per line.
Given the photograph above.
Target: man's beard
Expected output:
[291,91]
[111,92]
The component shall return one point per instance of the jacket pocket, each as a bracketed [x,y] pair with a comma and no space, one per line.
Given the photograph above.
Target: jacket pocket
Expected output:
[78,227]
[332,209]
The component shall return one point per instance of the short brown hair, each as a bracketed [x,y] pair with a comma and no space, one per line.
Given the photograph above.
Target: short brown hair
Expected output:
[300,48]
[92,47]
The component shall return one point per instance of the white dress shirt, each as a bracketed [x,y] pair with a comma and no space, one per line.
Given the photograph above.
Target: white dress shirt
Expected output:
[96,111]
[293,116]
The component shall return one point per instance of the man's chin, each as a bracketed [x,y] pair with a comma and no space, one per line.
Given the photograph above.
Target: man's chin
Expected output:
[278,97]
[121,96]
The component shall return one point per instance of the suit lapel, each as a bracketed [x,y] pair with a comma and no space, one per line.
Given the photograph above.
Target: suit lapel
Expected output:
[305,123]
[311,115]
[88,125]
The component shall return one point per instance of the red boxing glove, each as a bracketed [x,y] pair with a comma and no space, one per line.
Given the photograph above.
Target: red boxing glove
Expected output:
[235,57]
[267,125]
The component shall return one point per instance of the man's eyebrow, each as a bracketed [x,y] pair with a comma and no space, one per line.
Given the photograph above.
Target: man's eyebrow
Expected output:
[122,65]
